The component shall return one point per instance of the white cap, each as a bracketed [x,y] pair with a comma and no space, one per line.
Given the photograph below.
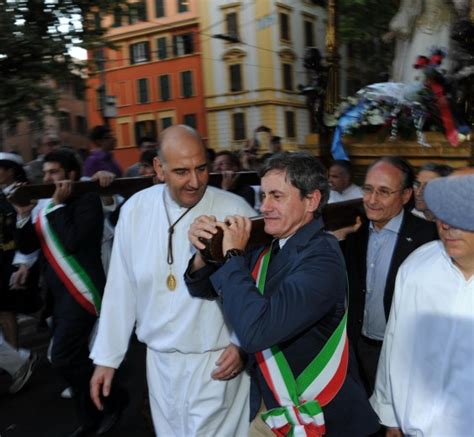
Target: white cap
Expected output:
[12,157]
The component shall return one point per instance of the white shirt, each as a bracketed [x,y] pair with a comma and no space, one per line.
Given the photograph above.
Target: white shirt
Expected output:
[136,291]
[350,193]
[425,378]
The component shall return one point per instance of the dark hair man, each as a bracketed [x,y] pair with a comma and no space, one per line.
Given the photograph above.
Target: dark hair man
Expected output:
[427,172]
[144,144]
[286,303]
[189,358]
[228,164]
[375,251]
[424,382]
[69,232]
[100,157]
[340,182]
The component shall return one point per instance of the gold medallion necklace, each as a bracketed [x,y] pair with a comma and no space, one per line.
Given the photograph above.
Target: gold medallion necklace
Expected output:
[171,279]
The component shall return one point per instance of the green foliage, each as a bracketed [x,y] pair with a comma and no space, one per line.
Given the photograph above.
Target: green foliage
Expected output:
[34,41]
[362,23]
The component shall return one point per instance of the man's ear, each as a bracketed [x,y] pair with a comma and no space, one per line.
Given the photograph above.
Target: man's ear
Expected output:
[406,195]
[72,175]
[157,165]
[314,199]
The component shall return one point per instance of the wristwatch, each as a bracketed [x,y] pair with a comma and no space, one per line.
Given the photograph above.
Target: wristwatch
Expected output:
[233,252]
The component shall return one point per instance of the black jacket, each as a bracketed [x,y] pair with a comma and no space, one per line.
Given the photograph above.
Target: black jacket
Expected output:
[414,232]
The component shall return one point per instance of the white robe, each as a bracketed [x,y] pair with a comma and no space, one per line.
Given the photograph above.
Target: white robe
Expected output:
[184,335]
[352,192]
[425,377]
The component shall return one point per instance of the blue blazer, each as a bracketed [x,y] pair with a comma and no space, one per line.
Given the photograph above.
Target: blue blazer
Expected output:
[304,301]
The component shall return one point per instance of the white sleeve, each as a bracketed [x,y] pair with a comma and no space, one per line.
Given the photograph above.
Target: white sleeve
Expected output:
[382,399]
[23,258]
[118,312]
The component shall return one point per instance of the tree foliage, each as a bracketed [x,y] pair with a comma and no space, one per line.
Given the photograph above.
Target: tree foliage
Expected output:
[35,38]
[362,23]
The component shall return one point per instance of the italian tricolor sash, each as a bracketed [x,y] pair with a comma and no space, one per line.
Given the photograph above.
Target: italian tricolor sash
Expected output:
[301,400]
[66,266]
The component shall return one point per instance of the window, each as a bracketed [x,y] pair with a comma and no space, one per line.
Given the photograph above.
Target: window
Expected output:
[98,57]
[290,124]
[139,52]
[64,121]
[143,91]
[97,20]
[146,128]
[164,87]
[162,49]
[287,77]
[79,88]
[183,44]
[239,126]
[235,78]
[284,26]
[232,28]
[118,16]
[190,120]
[182,6]
[159,8]
[166,122]
[186,84]
[137,12]
[308,34]
[81,124]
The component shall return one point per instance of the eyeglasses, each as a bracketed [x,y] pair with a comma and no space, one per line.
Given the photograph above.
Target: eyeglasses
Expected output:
[383,193]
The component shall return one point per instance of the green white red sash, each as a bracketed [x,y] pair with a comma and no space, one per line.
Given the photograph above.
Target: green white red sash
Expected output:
[301,400]
[66,266]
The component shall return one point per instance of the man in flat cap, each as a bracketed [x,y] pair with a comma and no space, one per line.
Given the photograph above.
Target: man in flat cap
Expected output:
[425,379]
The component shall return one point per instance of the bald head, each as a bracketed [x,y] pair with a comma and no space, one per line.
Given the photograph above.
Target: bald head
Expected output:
[182,164]
[174,137]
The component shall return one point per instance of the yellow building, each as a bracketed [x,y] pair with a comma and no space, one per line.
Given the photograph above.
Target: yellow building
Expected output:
[252,55]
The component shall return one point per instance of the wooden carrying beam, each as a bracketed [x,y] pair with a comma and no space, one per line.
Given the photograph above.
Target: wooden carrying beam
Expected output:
[335,216]
[24,194]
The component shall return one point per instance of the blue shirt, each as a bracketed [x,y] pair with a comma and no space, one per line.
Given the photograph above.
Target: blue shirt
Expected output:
[379,257]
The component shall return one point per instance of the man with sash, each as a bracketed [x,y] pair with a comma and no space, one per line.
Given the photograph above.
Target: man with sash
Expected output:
[69,232]
[287,305]
[191,363]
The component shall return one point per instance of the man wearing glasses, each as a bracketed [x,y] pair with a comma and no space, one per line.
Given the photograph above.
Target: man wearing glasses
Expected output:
[375,251]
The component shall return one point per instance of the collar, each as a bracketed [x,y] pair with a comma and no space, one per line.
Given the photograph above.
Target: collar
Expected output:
[8,189]
[303,234]
[393,225]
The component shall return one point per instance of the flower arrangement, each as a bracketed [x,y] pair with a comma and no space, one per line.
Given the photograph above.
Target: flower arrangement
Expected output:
[394,109]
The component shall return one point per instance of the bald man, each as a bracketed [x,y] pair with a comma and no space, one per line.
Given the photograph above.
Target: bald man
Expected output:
[193,370]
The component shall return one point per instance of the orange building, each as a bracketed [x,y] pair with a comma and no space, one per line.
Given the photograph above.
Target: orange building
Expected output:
[154,73]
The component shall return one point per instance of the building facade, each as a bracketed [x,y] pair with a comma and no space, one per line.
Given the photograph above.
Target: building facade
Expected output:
[252,54]
[153,73]
[69,123]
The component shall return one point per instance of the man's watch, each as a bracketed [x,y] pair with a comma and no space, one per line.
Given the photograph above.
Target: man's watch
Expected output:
[233,252]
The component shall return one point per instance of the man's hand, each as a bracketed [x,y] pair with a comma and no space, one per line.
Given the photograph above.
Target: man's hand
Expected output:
[342,233]
[104,177]
[393,432]
[62,192]
[204,226]
[18,278]
[236,232]
[229,364]
[100,385]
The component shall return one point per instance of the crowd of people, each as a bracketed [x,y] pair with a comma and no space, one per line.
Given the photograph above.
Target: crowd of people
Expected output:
[366,330]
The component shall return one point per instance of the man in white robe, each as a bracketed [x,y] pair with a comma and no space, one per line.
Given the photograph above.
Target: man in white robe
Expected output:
[192,370]
[425,378]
